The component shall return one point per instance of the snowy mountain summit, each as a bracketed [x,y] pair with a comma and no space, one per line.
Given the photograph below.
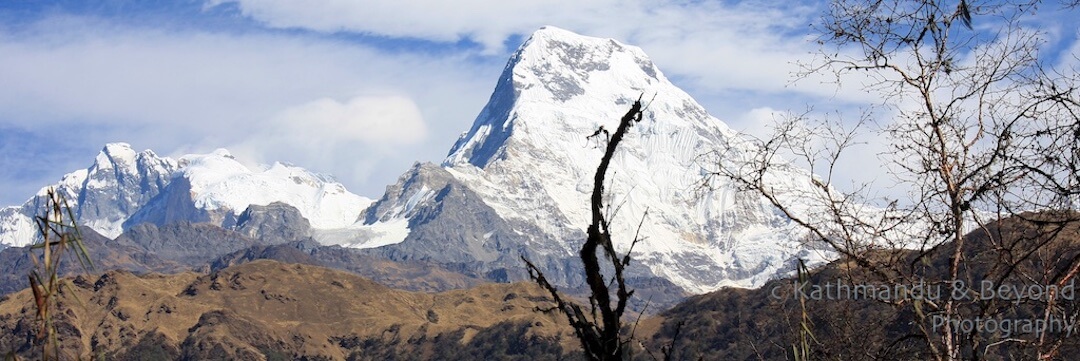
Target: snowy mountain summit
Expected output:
[124,188]
[530,162]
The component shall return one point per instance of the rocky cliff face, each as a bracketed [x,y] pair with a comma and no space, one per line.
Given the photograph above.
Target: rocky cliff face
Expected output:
[450,223]
[102,196]
[274,223]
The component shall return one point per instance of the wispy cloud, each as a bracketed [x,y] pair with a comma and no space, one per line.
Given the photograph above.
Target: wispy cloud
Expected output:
[483,21]
[748,44]
[346,137]
[386,120]
[727,53]
[194,91]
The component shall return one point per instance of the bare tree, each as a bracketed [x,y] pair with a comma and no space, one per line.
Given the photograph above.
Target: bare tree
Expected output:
[599,329]
[59,239]
[982,129]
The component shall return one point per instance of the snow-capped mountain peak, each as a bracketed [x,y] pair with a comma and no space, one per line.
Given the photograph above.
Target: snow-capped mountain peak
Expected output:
[219,182]
[105,194]
[529,157]
[564,65]
[124,187]
[115,154]
[562,83]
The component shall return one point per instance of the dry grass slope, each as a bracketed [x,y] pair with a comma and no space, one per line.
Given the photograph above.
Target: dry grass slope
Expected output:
[266,310]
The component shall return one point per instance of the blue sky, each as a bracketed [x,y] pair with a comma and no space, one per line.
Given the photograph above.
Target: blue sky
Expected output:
[192,76]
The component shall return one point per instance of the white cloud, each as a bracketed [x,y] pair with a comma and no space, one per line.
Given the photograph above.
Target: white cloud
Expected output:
[711,45]
[759,122]
[179,92]
[389,120]
[349,138]
[1069,61]
[484,21]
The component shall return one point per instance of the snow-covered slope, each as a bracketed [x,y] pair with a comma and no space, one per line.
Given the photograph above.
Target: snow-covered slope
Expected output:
[124,187]
[527,156]
[219,182]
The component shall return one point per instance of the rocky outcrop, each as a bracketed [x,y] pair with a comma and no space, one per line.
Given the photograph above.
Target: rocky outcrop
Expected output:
[451,225]
[191,244]
[274,223]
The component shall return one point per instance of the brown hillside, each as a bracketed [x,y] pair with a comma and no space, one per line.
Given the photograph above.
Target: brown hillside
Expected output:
[1029,250]
[266,310]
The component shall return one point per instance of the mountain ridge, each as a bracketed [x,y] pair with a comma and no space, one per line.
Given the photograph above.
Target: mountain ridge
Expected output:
[265,309]
[515,184]
[124,188]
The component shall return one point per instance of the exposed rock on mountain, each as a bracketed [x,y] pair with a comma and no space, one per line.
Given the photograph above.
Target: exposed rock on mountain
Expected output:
[102,196]
[274,223]
[412,275]
[203,247]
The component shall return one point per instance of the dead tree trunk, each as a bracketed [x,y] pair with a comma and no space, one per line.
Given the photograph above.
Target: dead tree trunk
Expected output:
[599,329]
